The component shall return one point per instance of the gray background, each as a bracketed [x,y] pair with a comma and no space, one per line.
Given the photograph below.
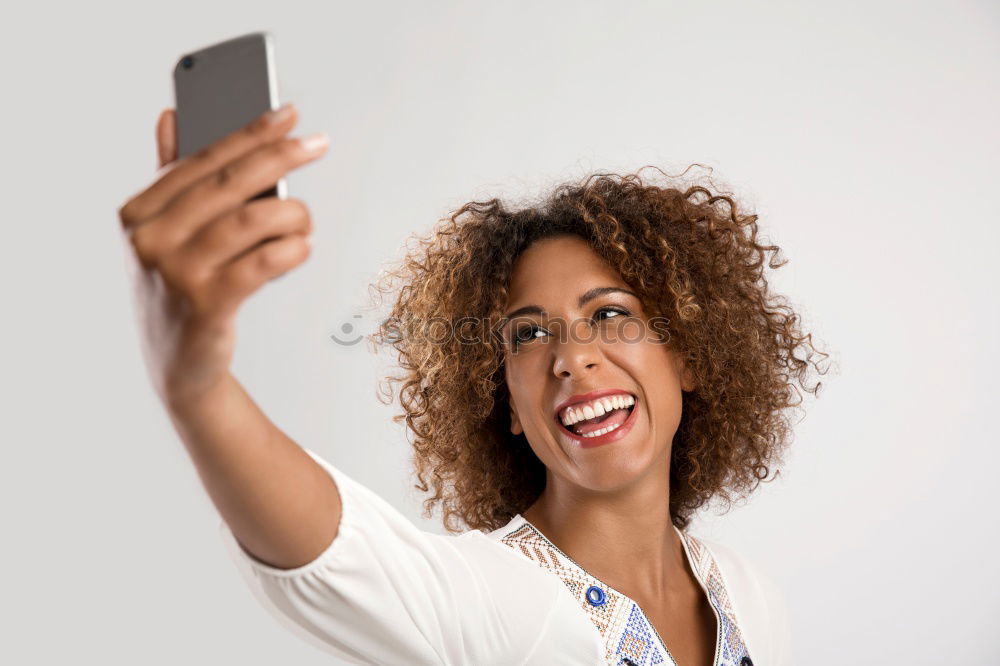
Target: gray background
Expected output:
[864,134]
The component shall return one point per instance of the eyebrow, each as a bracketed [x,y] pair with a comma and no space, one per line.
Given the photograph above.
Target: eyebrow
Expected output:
[585,298]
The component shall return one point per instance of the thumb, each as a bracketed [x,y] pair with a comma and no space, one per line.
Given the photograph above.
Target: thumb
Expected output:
[166,138]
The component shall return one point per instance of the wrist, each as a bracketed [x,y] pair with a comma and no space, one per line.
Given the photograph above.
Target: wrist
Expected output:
[185,397]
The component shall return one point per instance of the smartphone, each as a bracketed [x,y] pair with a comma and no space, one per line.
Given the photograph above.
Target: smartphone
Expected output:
[221,88]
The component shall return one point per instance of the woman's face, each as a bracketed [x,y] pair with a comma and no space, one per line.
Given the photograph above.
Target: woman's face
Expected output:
[576,348]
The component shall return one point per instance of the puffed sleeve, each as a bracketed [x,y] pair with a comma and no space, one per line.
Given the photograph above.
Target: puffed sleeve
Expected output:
[386,592]
[760,608]
[781,635]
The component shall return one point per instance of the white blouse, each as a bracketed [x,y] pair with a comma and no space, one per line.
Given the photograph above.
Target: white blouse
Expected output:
[386,592]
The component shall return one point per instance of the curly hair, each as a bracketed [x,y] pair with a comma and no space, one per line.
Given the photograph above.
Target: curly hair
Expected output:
[690,256]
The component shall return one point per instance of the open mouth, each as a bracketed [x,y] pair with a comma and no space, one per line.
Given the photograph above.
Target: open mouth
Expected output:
[600,425]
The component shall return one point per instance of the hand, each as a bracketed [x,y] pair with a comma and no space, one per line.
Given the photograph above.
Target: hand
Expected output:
[196,248]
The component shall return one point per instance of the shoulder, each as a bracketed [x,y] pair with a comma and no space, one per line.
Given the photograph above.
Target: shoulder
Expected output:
[385,591]
[757,602]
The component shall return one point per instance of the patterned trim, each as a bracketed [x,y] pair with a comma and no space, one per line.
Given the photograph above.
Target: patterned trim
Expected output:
[629,637]
[730,650]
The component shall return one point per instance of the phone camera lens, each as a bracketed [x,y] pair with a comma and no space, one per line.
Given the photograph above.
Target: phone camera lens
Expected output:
[187,62]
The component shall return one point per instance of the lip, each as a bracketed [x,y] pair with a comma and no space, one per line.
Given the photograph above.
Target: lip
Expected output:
[586,397]
[606,438]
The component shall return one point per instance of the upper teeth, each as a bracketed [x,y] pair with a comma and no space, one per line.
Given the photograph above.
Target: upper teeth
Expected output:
[594,408]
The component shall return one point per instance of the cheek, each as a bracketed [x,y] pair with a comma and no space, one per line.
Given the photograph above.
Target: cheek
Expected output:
[514,366]
[522,377]
[523,392]
[654,369]
[670,406]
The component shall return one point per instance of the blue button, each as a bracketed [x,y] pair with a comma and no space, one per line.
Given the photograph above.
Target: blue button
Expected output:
[595,596]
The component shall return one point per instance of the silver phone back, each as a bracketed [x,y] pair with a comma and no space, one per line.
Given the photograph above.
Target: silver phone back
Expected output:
[221,88]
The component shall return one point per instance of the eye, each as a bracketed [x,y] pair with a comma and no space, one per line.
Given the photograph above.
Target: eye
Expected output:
[616,310]
[526,334]
[519,335]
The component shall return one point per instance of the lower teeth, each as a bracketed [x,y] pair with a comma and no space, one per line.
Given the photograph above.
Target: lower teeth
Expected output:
[602,431]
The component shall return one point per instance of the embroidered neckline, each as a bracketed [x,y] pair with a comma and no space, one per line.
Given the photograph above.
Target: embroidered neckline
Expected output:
[630,638]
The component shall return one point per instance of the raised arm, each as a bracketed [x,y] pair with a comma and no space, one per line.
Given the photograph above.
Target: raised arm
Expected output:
[332,560]
[197,247]
[281,506]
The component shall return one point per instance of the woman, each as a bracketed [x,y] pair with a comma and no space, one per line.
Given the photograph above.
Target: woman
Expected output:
[613,361]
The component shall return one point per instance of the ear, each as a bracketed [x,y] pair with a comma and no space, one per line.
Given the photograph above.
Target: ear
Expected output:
[515,422]
[688,382]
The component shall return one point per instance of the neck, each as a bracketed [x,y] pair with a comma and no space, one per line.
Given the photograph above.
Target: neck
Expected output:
[624,537]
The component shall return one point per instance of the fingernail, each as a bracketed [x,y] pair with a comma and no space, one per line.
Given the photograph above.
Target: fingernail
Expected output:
[281,113]
[314,142]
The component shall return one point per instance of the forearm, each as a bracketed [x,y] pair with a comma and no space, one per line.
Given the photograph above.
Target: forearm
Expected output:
[279,503]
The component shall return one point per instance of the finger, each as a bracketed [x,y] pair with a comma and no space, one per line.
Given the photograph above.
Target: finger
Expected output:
[264,129]
[241,230]
[166,138]
[227,189]
[248,272]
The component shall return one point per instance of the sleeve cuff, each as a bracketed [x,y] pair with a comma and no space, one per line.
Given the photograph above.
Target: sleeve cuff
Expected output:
[236,549]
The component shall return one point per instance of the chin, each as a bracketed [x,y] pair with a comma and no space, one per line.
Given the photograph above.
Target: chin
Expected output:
[616,470]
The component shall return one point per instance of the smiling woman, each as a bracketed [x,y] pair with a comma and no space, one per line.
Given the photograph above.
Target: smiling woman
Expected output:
[686,265]
[615,361]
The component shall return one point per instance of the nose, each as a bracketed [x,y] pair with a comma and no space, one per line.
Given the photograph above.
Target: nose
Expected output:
[576,355]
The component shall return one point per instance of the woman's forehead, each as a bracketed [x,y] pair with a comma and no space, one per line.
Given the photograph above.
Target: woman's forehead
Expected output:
[568,300]
[559,268]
